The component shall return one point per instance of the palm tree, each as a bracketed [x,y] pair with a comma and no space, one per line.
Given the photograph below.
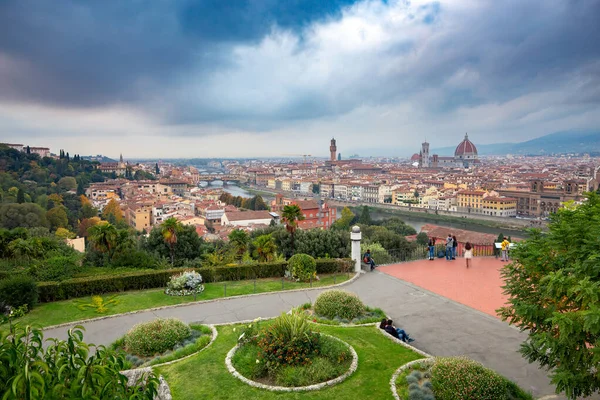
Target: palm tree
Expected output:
[290,216]
[265,248]
[21,248]
[169,229]
[103,237]
[239,239]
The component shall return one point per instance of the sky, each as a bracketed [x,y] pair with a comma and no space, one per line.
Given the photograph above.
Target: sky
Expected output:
[273,78]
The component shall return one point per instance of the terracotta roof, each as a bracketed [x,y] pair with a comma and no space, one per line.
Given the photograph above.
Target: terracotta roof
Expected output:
[465,147]
[247,215]
[441,233]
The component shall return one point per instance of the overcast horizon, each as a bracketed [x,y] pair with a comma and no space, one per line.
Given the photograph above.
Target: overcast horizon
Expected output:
[269,78]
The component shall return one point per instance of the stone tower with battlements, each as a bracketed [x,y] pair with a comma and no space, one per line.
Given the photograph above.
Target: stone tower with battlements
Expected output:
[333,150]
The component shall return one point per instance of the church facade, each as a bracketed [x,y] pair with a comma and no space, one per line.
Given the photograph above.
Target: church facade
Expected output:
[465,156]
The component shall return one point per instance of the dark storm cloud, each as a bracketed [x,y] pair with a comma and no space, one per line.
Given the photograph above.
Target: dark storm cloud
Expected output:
[90,53]
[179,60]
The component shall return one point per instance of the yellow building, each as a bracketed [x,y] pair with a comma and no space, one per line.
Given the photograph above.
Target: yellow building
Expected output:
[470,201]
[499,206]
[139,216]
[286,185]
[403,196]
[271,183]
[450,185]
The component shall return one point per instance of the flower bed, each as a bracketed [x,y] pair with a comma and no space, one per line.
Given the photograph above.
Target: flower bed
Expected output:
[162,341]
[455,378]
[287,355]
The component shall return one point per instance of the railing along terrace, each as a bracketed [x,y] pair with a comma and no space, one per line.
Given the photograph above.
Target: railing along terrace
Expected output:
[421,252]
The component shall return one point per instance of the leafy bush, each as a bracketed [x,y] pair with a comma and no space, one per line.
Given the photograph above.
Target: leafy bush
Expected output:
[370,316]
[339,303]
[64,369]
[18,291]
[56,268]
[329,360]
[302,267]
[288,341]
[460,378]
[155,337]
[185,283]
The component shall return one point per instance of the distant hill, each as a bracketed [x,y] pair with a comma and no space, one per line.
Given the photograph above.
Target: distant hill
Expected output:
[554,143]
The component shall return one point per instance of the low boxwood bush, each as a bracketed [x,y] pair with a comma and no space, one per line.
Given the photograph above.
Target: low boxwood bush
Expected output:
[460,378]
[340,304]
[18,291]
[155,337]
[302,267]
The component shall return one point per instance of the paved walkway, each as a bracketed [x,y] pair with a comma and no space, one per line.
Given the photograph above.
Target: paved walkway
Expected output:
[441,326]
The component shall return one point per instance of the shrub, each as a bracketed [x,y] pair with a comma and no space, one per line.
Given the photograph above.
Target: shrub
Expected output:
[302,267]
[55,370]
[288,341]
[18,291]
[185,283]
[156,337]
[55,268]
[339,303]
[459,378]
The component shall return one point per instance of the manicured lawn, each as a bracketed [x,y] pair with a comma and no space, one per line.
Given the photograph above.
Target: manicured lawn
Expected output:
[206,377]
[58,312]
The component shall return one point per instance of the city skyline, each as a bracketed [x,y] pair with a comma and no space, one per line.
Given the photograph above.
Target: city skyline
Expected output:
[166,81]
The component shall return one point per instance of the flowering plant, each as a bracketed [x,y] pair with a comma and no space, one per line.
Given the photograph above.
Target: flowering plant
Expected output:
[185,283]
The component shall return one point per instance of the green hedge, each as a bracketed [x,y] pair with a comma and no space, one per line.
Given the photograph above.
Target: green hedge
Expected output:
[81,287]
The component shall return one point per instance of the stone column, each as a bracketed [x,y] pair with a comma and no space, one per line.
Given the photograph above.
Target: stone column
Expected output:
[355,237]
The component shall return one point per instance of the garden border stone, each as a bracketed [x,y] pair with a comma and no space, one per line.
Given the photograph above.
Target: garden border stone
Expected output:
[317,386]
[83,321]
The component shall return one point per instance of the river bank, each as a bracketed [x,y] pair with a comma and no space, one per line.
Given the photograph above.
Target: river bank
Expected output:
[418,218]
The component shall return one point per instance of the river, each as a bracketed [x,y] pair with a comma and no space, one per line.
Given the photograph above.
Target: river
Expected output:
[415,222]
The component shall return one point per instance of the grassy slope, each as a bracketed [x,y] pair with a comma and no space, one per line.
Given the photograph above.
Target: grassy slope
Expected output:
[205,376]
[47,314]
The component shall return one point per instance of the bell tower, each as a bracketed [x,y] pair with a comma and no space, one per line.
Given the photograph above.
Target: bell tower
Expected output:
[332,149]
[425,154]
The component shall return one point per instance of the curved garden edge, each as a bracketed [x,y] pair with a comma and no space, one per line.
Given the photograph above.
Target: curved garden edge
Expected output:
[83,321]
[390,337]
[402,369]
[317,386]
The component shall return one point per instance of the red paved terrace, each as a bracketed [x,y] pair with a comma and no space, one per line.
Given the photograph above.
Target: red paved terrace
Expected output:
[478,287]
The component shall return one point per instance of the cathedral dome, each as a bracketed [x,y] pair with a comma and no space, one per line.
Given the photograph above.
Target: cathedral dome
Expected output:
[415,157]
[465,148]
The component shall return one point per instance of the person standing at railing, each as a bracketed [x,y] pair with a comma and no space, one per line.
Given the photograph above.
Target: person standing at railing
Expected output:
[454,247]
[449,243]
[468,253]
[504,246]
[431,246]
